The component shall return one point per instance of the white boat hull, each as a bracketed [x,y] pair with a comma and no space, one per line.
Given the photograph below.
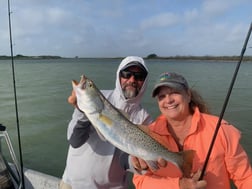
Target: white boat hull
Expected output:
[38,180]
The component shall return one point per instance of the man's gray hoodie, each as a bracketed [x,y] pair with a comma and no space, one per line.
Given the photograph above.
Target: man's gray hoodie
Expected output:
[91,162]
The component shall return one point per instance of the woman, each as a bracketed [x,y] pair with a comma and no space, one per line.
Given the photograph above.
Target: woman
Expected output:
[185,125]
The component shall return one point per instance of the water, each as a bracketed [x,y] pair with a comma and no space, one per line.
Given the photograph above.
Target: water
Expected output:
[44,85]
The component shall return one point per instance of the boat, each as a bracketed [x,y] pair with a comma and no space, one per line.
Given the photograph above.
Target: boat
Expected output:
[13,176]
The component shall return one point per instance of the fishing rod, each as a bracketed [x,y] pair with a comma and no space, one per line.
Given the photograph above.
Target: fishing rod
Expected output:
[226,102]
[15,96]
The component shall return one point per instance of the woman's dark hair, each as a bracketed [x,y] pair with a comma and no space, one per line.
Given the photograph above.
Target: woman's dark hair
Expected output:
[197,101]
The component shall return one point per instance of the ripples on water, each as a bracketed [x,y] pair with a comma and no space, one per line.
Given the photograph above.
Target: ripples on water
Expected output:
[44,85]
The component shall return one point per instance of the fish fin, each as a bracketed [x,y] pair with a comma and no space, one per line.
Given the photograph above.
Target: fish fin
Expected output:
[106,120]
[186,168]
[144,128]
[153,135]
[125,114]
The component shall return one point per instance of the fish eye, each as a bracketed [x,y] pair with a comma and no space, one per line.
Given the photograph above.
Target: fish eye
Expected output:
[90,84]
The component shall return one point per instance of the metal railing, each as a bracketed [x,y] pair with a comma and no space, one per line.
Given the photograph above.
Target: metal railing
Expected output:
[8,176]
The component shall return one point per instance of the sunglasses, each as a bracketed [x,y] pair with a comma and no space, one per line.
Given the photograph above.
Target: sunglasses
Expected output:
[139,76]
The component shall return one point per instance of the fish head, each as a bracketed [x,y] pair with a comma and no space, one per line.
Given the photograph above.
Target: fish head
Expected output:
[87,95]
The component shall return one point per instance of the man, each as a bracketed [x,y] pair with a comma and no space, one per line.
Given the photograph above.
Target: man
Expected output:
[96,164]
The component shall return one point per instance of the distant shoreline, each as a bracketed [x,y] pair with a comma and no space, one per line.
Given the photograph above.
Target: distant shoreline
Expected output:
[213,58]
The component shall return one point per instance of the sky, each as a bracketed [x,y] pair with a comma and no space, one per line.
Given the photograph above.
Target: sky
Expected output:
[118,28]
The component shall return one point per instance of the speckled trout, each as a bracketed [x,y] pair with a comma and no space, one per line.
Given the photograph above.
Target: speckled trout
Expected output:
[117,129]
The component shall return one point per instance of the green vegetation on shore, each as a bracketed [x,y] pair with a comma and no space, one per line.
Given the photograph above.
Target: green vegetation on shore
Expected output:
[151,56]
[19,56]
[215,58]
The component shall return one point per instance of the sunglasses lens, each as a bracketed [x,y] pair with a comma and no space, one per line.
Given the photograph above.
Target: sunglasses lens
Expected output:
[140,76]
[126,74]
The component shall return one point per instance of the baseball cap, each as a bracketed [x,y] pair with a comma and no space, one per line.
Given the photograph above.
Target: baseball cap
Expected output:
[135,63]
[172,80]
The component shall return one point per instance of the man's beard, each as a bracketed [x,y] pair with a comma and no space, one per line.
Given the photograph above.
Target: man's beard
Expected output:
[130,93]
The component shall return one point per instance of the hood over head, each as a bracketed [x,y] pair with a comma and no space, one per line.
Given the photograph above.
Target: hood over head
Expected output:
[126,63]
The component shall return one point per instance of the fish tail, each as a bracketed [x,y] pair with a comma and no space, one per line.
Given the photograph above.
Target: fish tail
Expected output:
[188,156]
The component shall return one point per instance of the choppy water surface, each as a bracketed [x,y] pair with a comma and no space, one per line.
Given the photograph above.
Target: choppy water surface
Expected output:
[44,85]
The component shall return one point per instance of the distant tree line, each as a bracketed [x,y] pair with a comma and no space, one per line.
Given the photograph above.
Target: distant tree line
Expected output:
[150,56]
[220,58]
[19,56]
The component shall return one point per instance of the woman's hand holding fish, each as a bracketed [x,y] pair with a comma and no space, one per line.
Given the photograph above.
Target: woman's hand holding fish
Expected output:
[184,183]
[192,183]
[140,164]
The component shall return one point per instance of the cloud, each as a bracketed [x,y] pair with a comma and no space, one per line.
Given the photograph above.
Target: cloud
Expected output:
[159,21]
[191,15]
[118,27]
